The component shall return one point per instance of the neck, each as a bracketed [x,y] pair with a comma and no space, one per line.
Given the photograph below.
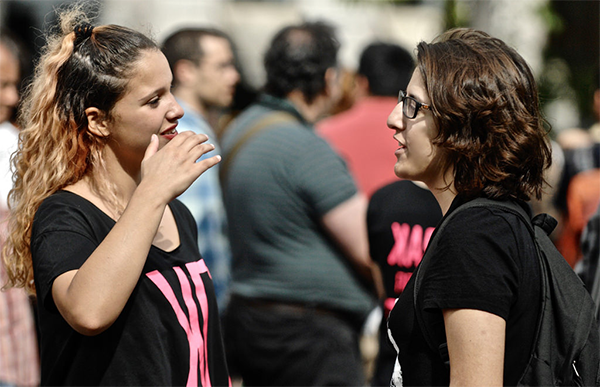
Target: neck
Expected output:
[311,112]
[86,189]
[124,174]
[444,196]
[420,184]
[124,182]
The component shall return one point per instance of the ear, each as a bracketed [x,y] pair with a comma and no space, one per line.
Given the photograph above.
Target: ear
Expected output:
[332,81]
[184,72]
[97,122]
[361,84]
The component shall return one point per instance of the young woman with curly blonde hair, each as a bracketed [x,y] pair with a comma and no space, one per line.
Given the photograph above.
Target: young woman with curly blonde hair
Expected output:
[124,297]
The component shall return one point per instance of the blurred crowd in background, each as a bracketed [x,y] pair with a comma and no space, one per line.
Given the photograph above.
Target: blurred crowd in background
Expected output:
[559,39]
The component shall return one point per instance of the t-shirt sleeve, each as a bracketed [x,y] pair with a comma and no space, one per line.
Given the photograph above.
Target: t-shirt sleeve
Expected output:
[60,243]
[474,266]
[322,175]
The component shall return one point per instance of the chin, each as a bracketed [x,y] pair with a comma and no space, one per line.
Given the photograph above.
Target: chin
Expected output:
[406,175]
[400,173]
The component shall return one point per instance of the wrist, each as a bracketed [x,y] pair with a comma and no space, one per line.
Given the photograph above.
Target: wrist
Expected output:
[150,197]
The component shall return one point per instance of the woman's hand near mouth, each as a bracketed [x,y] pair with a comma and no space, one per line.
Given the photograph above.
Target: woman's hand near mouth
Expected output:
[173,168]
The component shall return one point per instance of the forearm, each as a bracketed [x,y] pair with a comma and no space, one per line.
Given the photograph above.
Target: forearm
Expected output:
[92,297]
[348,227]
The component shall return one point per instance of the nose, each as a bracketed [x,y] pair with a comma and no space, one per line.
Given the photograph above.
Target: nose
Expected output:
[176,111]
[395,120]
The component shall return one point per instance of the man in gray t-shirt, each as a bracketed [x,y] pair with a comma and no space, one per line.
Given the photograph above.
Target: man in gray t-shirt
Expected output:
[302,278]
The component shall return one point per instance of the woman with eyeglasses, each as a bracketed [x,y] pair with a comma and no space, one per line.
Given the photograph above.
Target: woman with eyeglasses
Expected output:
[469,126]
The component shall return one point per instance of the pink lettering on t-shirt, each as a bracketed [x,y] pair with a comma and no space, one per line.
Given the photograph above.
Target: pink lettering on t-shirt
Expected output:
[401,233]
[191,326]
[414,252]
[388,305]
[401,280]
[409,244]
[195,269]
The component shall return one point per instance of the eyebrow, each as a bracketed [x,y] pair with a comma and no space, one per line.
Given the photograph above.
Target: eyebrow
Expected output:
[416,98]
[158,91]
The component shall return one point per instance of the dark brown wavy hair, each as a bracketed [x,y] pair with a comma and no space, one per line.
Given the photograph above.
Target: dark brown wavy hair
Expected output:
[485,103]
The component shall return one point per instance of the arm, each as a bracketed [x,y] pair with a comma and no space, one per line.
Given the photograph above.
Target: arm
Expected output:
[476,347]
[347,224]
[92,297]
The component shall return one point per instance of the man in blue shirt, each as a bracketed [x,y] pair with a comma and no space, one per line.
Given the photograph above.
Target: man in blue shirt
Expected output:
[204,81]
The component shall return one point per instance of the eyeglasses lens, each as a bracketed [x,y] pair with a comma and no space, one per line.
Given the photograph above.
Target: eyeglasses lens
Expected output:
[409,107]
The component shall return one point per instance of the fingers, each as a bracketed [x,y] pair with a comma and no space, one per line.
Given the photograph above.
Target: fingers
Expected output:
[175,166]
[195,145]
[152,147]
[208,163]
[200,150]
[190,143]
[188,139]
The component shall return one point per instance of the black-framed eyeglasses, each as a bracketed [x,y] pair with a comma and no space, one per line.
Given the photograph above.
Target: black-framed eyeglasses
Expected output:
[410,106]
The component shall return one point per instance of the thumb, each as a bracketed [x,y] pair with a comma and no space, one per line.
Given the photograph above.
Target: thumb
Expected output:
[152,147]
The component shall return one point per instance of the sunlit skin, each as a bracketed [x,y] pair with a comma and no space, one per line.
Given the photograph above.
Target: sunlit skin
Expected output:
[415,151]
[147,108]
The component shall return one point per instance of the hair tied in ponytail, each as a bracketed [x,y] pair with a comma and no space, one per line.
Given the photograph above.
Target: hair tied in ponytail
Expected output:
[82,32]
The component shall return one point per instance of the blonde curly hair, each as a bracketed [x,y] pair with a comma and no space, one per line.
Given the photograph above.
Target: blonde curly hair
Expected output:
[76,71]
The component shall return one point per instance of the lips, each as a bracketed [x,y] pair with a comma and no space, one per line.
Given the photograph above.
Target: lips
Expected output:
[170,132]
[401,148]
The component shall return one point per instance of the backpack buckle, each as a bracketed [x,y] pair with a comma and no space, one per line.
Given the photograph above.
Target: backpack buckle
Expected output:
[546,222]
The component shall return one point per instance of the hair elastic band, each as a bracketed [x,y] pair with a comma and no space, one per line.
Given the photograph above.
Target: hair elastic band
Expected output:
[82,32]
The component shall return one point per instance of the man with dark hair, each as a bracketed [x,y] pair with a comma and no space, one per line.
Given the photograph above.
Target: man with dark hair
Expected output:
[302,278]
[204,81]
[360,134]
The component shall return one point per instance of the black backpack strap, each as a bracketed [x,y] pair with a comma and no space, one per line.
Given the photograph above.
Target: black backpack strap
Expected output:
[591,237]
[434,339]
[435,343]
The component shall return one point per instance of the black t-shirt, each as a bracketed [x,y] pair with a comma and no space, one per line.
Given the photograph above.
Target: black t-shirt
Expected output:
[400,221]
[485,260]
[167,334]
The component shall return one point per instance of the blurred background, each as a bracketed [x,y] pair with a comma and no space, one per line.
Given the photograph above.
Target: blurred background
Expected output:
[559,39]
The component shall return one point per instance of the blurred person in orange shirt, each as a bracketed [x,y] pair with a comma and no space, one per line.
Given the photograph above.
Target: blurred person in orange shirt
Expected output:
[583,198]
[578,192]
